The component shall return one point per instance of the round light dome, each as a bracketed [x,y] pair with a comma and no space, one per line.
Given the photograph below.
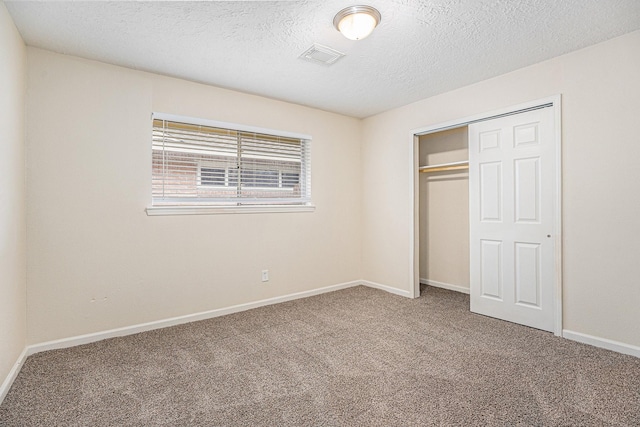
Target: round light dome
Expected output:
[356,22]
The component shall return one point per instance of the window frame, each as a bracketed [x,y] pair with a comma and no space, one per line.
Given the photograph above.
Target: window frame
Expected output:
[200,209]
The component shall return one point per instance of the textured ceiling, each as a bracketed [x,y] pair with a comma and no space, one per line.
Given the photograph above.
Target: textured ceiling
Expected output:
[420,49]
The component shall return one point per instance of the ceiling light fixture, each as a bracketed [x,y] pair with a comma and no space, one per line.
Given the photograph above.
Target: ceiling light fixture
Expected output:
[357,22]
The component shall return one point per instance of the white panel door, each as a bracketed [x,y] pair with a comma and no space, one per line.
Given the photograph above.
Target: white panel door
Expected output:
[512,173]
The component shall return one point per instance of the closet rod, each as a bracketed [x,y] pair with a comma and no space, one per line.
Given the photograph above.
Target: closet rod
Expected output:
[445,167]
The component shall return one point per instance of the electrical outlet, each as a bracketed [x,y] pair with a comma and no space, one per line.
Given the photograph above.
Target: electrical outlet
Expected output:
[265,275]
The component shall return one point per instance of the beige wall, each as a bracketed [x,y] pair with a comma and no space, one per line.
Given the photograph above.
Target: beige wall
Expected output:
[444,209]
[12,196]
[96,261]
[601,179]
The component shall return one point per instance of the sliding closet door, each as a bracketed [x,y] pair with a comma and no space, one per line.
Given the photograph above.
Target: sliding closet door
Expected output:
[511,200]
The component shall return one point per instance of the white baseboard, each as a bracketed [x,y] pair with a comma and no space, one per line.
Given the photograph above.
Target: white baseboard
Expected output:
[605,343]
[13,373]
[158,324]
[443,285]
[386,288]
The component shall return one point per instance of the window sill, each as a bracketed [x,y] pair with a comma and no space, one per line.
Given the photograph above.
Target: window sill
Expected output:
[216,210]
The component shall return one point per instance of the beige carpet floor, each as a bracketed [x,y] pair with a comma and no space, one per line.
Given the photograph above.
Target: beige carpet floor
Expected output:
[356,357]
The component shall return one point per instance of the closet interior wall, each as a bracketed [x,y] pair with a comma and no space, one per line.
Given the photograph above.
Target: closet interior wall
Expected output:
[444,211]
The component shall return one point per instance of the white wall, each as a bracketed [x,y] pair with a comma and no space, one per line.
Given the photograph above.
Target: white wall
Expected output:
[444,210]
[96,261]
[601,180]
[12,196]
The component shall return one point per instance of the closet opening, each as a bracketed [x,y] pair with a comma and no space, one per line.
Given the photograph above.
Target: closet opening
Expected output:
[443,209]
[486,212]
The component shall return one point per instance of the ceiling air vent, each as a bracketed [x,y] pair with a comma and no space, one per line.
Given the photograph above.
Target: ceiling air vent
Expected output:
[321,54]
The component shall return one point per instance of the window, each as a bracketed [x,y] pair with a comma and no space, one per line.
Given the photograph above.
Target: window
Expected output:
[290,179]
[213,176]
[202,163]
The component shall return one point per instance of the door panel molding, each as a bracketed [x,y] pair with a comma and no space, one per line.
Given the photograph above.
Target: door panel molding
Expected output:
[526,161]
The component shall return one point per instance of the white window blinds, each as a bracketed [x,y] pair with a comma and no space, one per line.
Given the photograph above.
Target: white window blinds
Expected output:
[195,164]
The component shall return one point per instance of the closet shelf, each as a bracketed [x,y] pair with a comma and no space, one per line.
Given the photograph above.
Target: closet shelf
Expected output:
[445,167]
